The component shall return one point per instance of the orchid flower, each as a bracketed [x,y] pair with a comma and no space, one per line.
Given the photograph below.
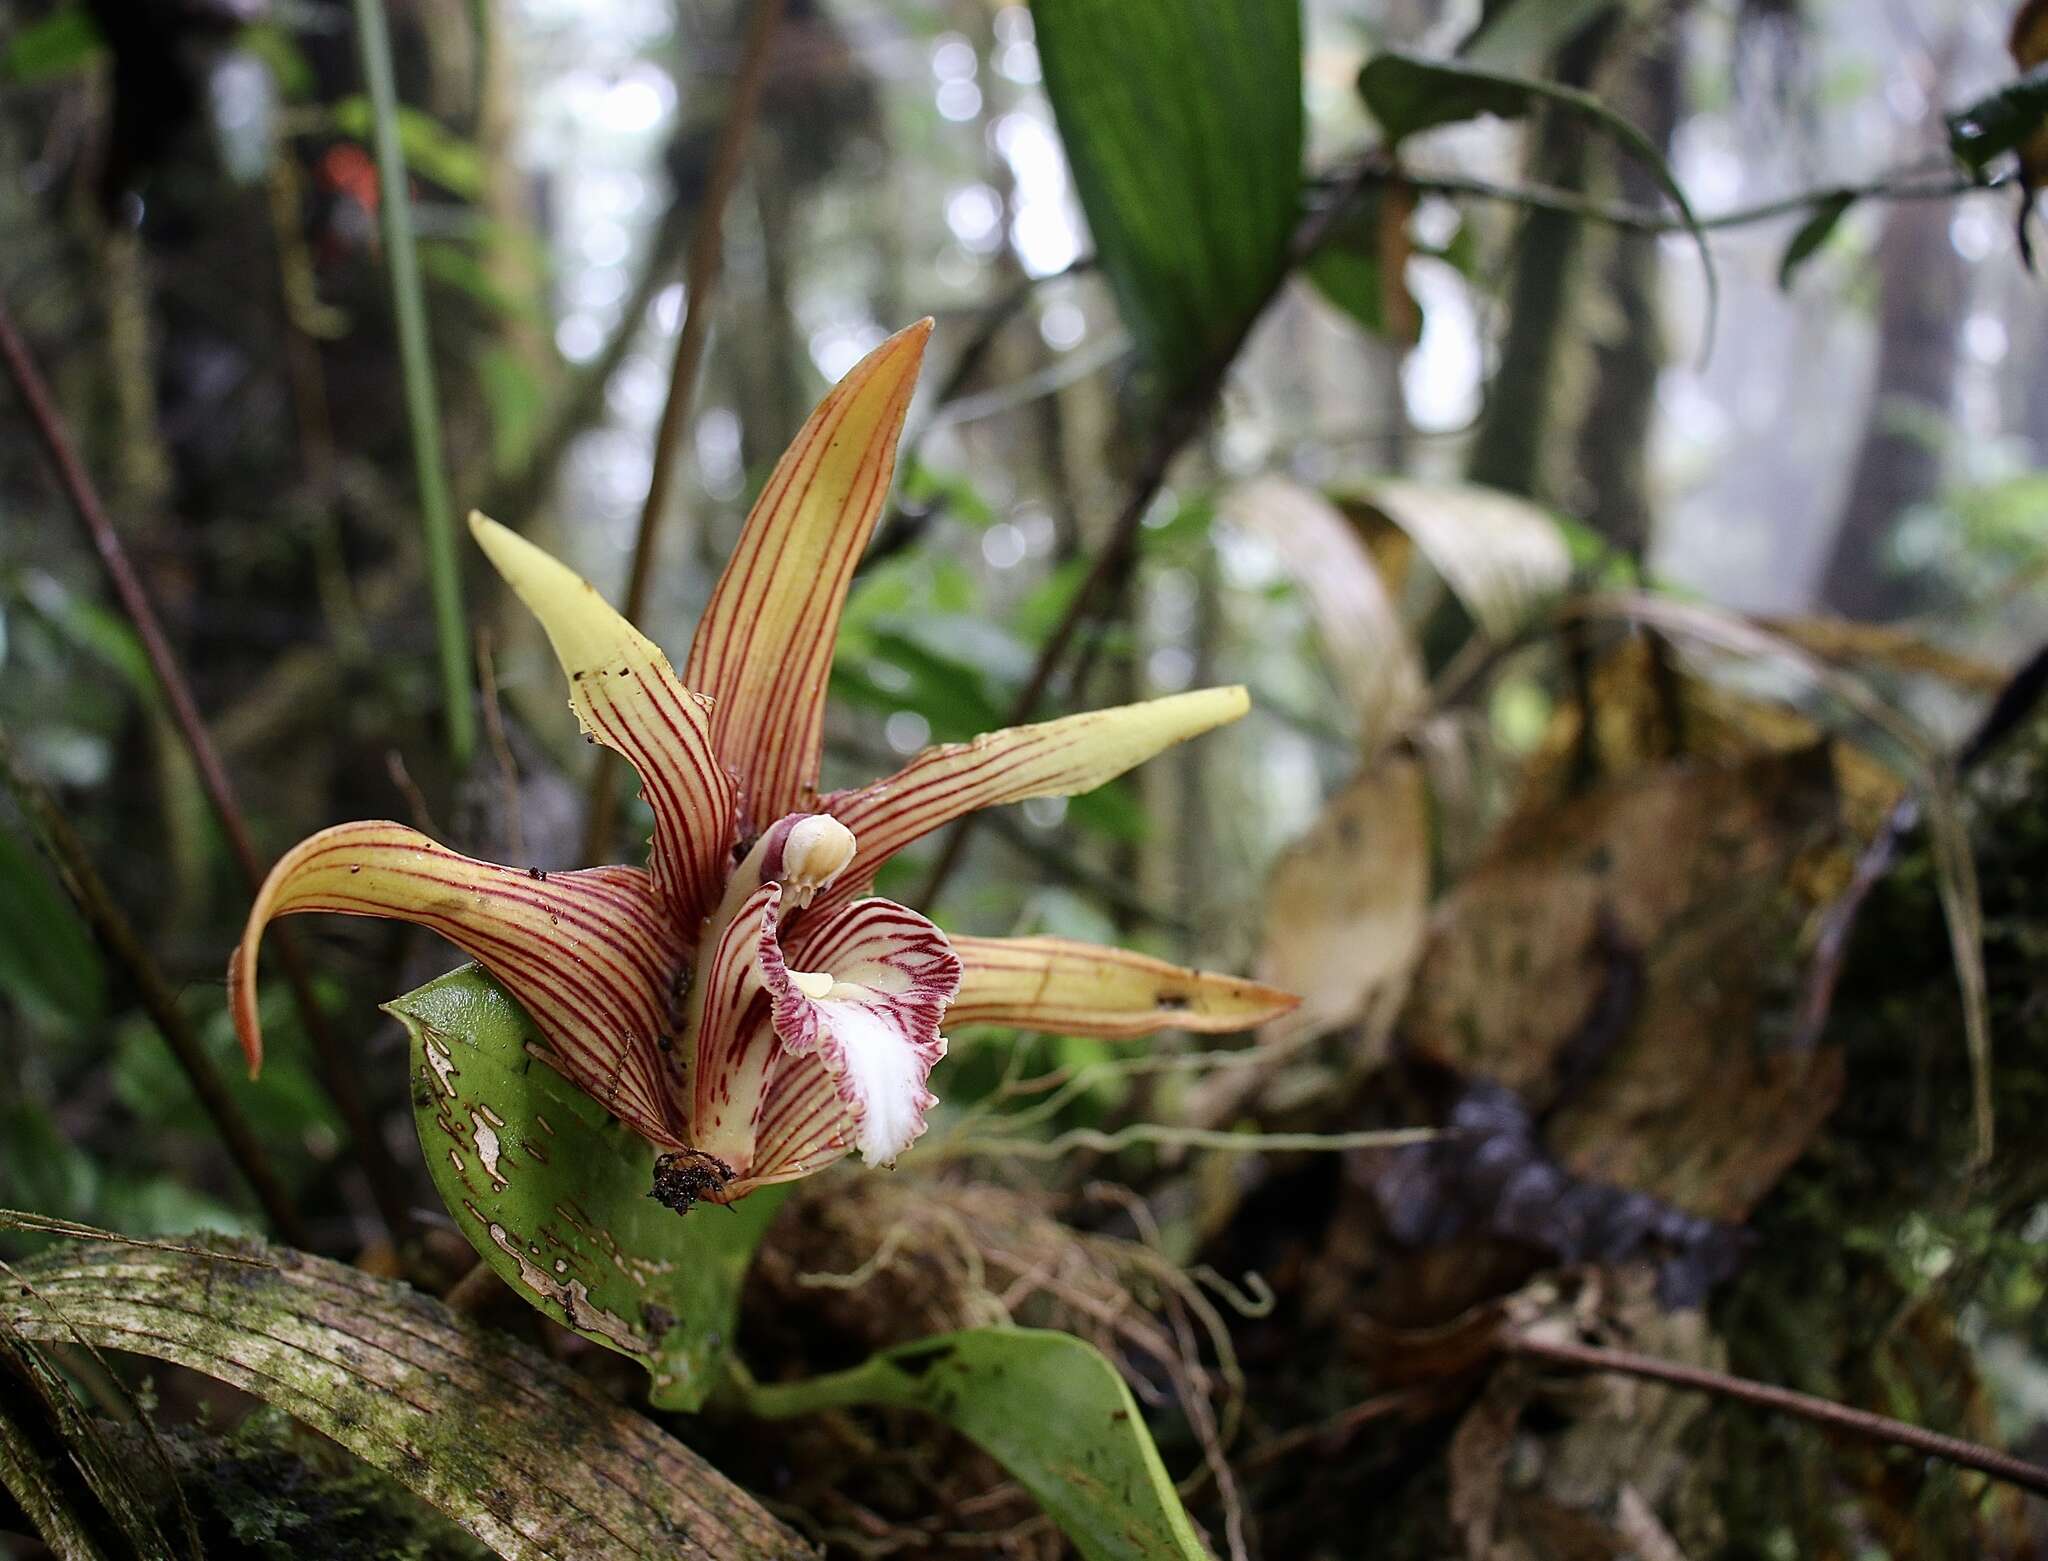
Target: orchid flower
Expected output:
[736,1003]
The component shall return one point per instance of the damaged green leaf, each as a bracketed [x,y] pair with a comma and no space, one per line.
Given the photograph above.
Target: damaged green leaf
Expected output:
[553,1192]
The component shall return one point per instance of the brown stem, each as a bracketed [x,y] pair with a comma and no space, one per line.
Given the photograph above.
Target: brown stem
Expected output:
[387,1184]
[1821,1411]
[473,1290]
[700,281]
[118,937]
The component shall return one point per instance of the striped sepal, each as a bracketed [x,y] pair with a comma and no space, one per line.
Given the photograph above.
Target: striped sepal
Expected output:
[592,956]
[763,650]
[628,697]
[1074,988]
[1052,759]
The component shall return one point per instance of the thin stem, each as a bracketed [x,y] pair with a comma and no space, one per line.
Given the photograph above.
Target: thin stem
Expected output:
[387,1183]
[1821,1411]
[125,947]
[1183,416]
[473,1290]
[422,408]
[1375,169]
[700,282]
[1170,1136]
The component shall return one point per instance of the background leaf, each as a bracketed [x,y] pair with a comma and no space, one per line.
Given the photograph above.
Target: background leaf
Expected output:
[552,1191]
[1409,93]
[66,40]
[1815,231]
[1522,36]
[1047,1406]
[1503,557]
[515,1448]
[1182,120]
[2001,122]
[47,958]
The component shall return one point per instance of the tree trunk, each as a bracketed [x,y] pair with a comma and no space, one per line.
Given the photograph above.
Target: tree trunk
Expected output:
[1520,411]
[1628,346]
[1921,291]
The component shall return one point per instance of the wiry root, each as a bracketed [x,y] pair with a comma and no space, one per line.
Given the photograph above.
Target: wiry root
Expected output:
[861,1263]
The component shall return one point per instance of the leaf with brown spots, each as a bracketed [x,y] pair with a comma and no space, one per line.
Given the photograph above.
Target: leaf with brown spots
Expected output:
[554,1192]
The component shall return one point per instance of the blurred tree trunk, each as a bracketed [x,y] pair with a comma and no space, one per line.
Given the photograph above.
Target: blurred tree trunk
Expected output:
[1627,336]
[1922,288]
[2034,420]
[1522,411]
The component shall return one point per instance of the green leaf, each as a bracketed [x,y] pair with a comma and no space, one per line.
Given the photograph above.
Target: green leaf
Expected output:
[57,1460]
[1999,123]
[453,265]
[1350,279]
[1409,93]
[431,150]
[1815,231]
[62,42]
[1523,36]
[552,1191]
[1182,120]
[514,1447]
[1049,1408]
[47,958]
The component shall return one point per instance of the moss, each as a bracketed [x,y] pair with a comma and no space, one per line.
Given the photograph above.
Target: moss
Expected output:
[273,1492]
[1883,1268]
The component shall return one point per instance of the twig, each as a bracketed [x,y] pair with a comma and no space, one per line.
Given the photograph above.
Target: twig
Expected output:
[906,526]
[473,1290]
[1637,219]
[1821,1411]
[118,937]
[1181,419]
[700,282]
[387,1184]
[501,750]
[1168,1135]
[422,410]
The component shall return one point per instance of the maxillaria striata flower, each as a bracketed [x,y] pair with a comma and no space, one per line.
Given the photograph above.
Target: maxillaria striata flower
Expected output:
[734,1002]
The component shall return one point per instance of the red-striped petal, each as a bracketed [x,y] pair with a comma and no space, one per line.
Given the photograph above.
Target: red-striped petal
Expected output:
[592,956]
[1051,759]
[734,1044]
[876,1031]
[763,650]
[627,696]
[1071,988]
[852,1066]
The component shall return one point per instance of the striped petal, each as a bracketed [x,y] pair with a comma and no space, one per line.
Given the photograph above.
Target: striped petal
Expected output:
[1074,988]
[627,696]
[805,1125]
[856,1056]
[764,647]
[592,956]
[734,1044]
[1052,759]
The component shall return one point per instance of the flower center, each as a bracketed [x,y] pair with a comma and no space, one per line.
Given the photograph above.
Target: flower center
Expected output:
[813,852]
[812,983]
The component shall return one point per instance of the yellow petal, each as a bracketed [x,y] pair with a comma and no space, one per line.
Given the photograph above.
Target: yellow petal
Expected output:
[1074,988]
[1060,758]
[763,650]
[628,697]
[592,956]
